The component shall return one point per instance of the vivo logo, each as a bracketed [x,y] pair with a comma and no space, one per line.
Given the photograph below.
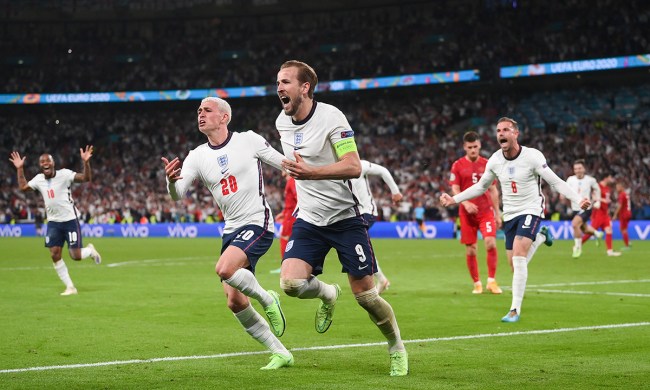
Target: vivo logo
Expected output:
[135,231]
[643,234]
[412,230]
[92,231]
[11,231]
[182,231]
[564,231]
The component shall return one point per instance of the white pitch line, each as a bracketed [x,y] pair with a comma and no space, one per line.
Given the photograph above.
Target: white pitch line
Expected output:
[590,283]
[591,293]
[164,261]
[325,347]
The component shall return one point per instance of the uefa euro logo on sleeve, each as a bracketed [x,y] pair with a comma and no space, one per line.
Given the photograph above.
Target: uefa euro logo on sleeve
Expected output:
[223,163]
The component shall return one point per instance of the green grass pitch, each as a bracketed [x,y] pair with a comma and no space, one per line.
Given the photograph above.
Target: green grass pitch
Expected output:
[160,298]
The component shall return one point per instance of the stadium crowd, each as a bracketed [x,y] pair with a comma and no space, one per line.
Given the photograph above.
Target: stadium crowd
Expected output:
[156,54]
[82,45]
[416,136]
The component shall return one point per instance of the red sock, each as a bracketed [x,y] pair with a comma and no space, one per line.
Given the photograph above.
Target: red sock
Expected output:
[492,259]
[608,241]
[585,237]
[626,239]
[472,266]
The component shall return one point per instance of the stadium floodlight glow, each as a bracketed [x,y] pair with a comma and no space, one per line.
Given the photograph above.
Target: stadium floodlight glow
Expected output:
[408,80]
[577,66]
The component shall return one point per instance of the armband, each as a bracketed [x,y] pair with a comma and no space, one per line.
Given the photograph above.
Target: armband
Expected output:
[345,146]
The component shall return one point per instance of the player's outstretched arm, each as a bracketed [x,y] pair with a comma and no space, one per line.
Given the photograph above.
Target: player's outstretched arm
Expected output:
[561,186]
[87,173]
[19,163]
[172,175]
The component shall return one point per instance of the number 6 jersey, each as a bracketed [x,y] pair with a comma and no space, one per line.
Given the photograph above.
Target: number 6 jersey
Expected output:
[520,181]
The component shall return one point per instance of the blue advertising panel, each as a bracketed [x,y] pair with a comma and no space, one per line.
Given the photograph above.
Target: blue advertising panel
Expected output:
[588,65]
[237,92]
[638,230]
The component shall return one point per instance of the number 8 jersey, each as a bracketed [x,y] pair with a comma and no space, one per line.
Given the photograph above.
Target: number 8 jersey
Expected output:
[232,172]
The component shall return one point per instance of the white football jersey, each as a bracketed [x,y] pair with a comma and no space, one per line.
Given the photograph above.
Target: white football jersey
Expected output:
[361,186]
[320,202]
[57,195]
[587,187]
[232,172]
[520,180]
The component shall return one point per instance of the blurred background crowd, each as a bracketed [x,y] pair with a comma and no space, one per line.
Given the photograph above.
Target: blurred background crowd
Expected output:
[415,132]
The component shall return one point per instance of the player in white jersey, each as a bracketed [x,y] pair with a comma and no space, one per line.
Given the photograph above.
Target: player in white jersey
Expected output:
[519,170]
[368,207]
[62,215]
[587,186]
[319,138]
[230,166]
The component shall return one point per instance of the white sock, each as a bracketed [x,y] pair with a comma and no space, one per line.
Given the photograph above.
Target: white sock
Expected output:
[244,281]
[577,242]
[490,280]
[539,240]
[62,271]
[309,289]
[85,252]
[519,278]
[257,327]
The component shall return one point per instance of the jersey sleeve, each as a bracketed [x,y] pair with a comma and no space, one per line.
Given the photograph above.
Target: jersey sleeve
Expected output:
[189,172]
[545,172]
[342,136]
[454,175]
[69,175]
[264,151]
[378,170]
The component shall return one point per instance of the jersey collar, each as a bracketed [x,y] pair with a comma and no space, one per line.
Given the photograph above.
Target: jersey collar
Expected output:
[224,143]
[515,157]
[311,113]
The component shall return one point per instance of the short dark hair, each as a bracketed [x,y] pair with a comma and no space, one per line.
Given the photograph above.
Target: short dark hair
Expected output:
[306,74]
[470,136]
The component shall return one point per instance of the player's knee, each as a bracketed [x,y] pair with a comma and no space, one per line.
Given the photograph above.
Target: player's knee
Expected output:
[367,298]
[292,287]
[378,309]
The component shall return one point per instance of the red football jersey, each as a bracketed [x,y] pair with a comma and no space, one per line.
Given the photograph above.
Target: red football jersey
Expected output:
[466,173]
[606,199]
[290,197]
[626,205]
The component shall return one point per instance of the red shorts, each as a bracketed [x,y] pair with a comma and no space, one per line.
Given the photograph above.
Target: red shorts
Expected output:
[624,220]
[600,222]
[471,224]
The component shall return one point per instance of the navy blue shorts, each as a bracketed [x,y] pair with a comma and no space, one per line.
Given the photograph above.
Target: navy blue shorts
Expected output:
[349,237]
[370,219]
[59,233]
[252,239]
[585,215]
[526,225]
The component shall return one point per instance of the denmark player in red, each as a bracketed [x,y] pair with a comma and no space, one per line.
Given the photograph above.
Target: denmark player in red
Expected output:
[600,219]
[481,213]
[623,211]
